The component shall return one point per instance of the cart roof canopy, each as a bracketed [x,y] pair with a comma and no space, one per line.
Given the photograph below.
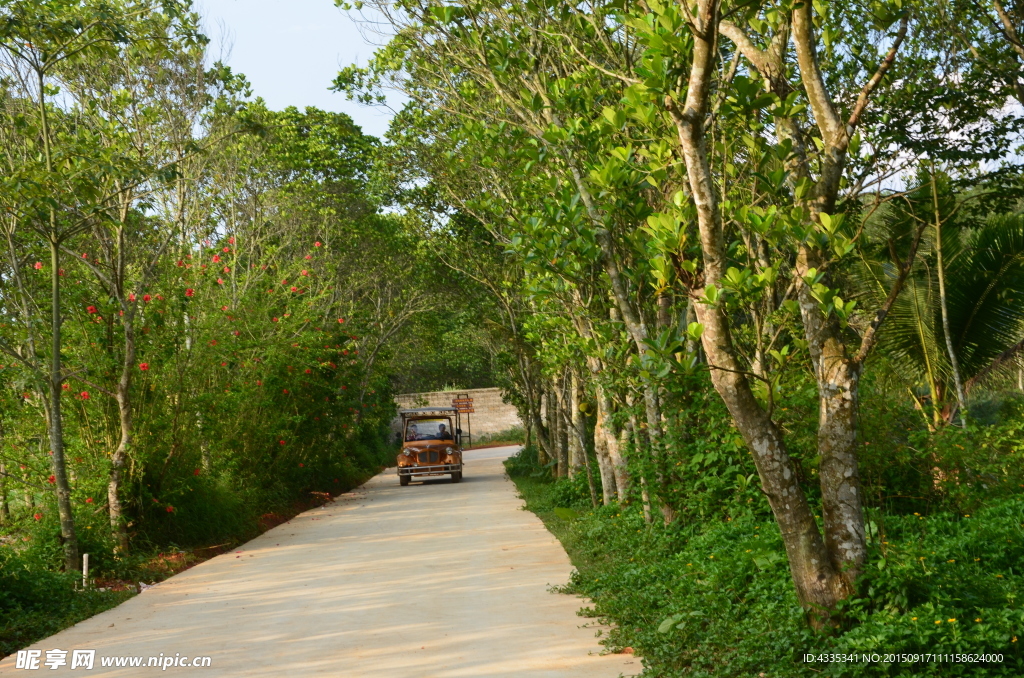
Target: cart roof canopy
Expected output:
[428,411]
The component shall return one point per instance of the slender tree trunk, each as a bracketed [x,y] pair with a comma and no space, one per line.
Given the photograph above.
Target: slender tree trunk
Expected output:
[954,362]
[574,419]
[652,408]
[541,433]
[5,508]
[603,440]
[56,378]
[552,417]
[117,460]
[618,444]
[635,436]
[578,426]
[563,432]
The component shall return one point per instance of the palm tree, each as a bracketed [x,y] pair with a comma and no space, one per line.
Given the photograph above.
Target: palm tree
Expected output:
[983,267]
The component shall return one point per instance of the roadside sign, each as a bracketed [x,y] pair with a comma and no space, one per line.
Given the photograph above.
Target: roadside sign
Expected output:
[463,405]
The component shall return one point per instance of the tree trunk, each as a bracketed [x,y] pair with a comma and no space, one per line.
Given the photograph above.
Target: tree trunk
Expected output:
[652,408]
[617,449]
[553,435]
[56,422]
[574,419]
[5,508]
[562,444]
[958,381]
[603,440]
[117,460]
[819,585]
[634,435]
[540,433]
[578,429]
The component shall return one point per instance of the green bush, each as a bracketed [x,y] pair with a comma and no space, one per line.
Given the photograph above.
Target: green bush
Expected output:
[714,597]
[36,602]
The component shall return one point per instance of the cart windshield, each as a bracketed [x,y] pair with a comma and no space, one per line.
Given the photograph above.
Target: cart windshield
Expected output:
[429,429]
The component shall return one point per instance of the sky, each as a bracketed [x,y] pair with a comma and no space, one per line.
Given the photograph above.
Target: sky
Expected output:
[291,50]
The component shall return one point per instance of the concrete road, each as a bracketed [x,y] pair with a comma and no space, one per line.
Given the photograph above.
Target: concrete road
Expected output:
[434,579]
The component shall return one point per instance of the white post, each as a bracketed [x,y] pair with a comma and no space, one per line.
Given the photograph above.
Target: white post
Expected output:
[85,570]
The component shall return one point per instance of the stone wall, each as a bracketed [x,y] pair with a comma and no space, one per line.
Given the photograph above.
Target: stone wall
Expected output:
[490,414]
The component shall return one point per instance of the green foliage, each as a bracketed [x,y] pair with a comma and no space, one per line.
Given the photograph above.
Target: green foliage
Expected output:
[36,603]
[707,597]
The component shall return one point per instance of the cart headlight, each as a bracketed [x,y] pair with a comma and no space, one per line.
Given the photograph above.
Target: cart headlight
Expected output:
[449,450]
[408,451]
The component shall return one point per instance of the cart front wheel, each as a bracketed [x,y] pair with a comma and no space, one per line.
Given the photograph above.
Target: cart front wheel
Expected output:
[403,480]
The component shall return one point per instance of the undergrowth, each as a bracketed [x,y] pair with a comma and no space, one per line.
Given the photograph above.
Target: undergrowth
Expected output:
[713,597]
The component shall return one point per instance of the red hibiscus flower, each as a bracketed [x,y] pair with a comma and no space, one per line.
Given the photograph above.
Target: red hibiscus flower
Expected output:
[84,395]
[237,333]
[231,241]
[223,308]
[52,480]
[227,249]
[196,472]
[189,292]
[143,366]
[227,269]
[170,509]
[216,258]
[213,342]
[220,281]
[259,383]
[159,297]
[37,516]
[88,500]
[180,263]
[85,255]
[341,320]
[295,289]
[309,371]
[131,297]
[305,272]
[316,244]
[92,309]
[285,281]
[38,265]
[66,387]
[223,364]
[146,298]
[285,391]
[308,256]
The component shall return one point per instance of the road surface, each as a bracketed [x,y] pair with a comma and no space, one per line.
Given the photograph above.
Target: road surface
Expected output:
[431,580]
